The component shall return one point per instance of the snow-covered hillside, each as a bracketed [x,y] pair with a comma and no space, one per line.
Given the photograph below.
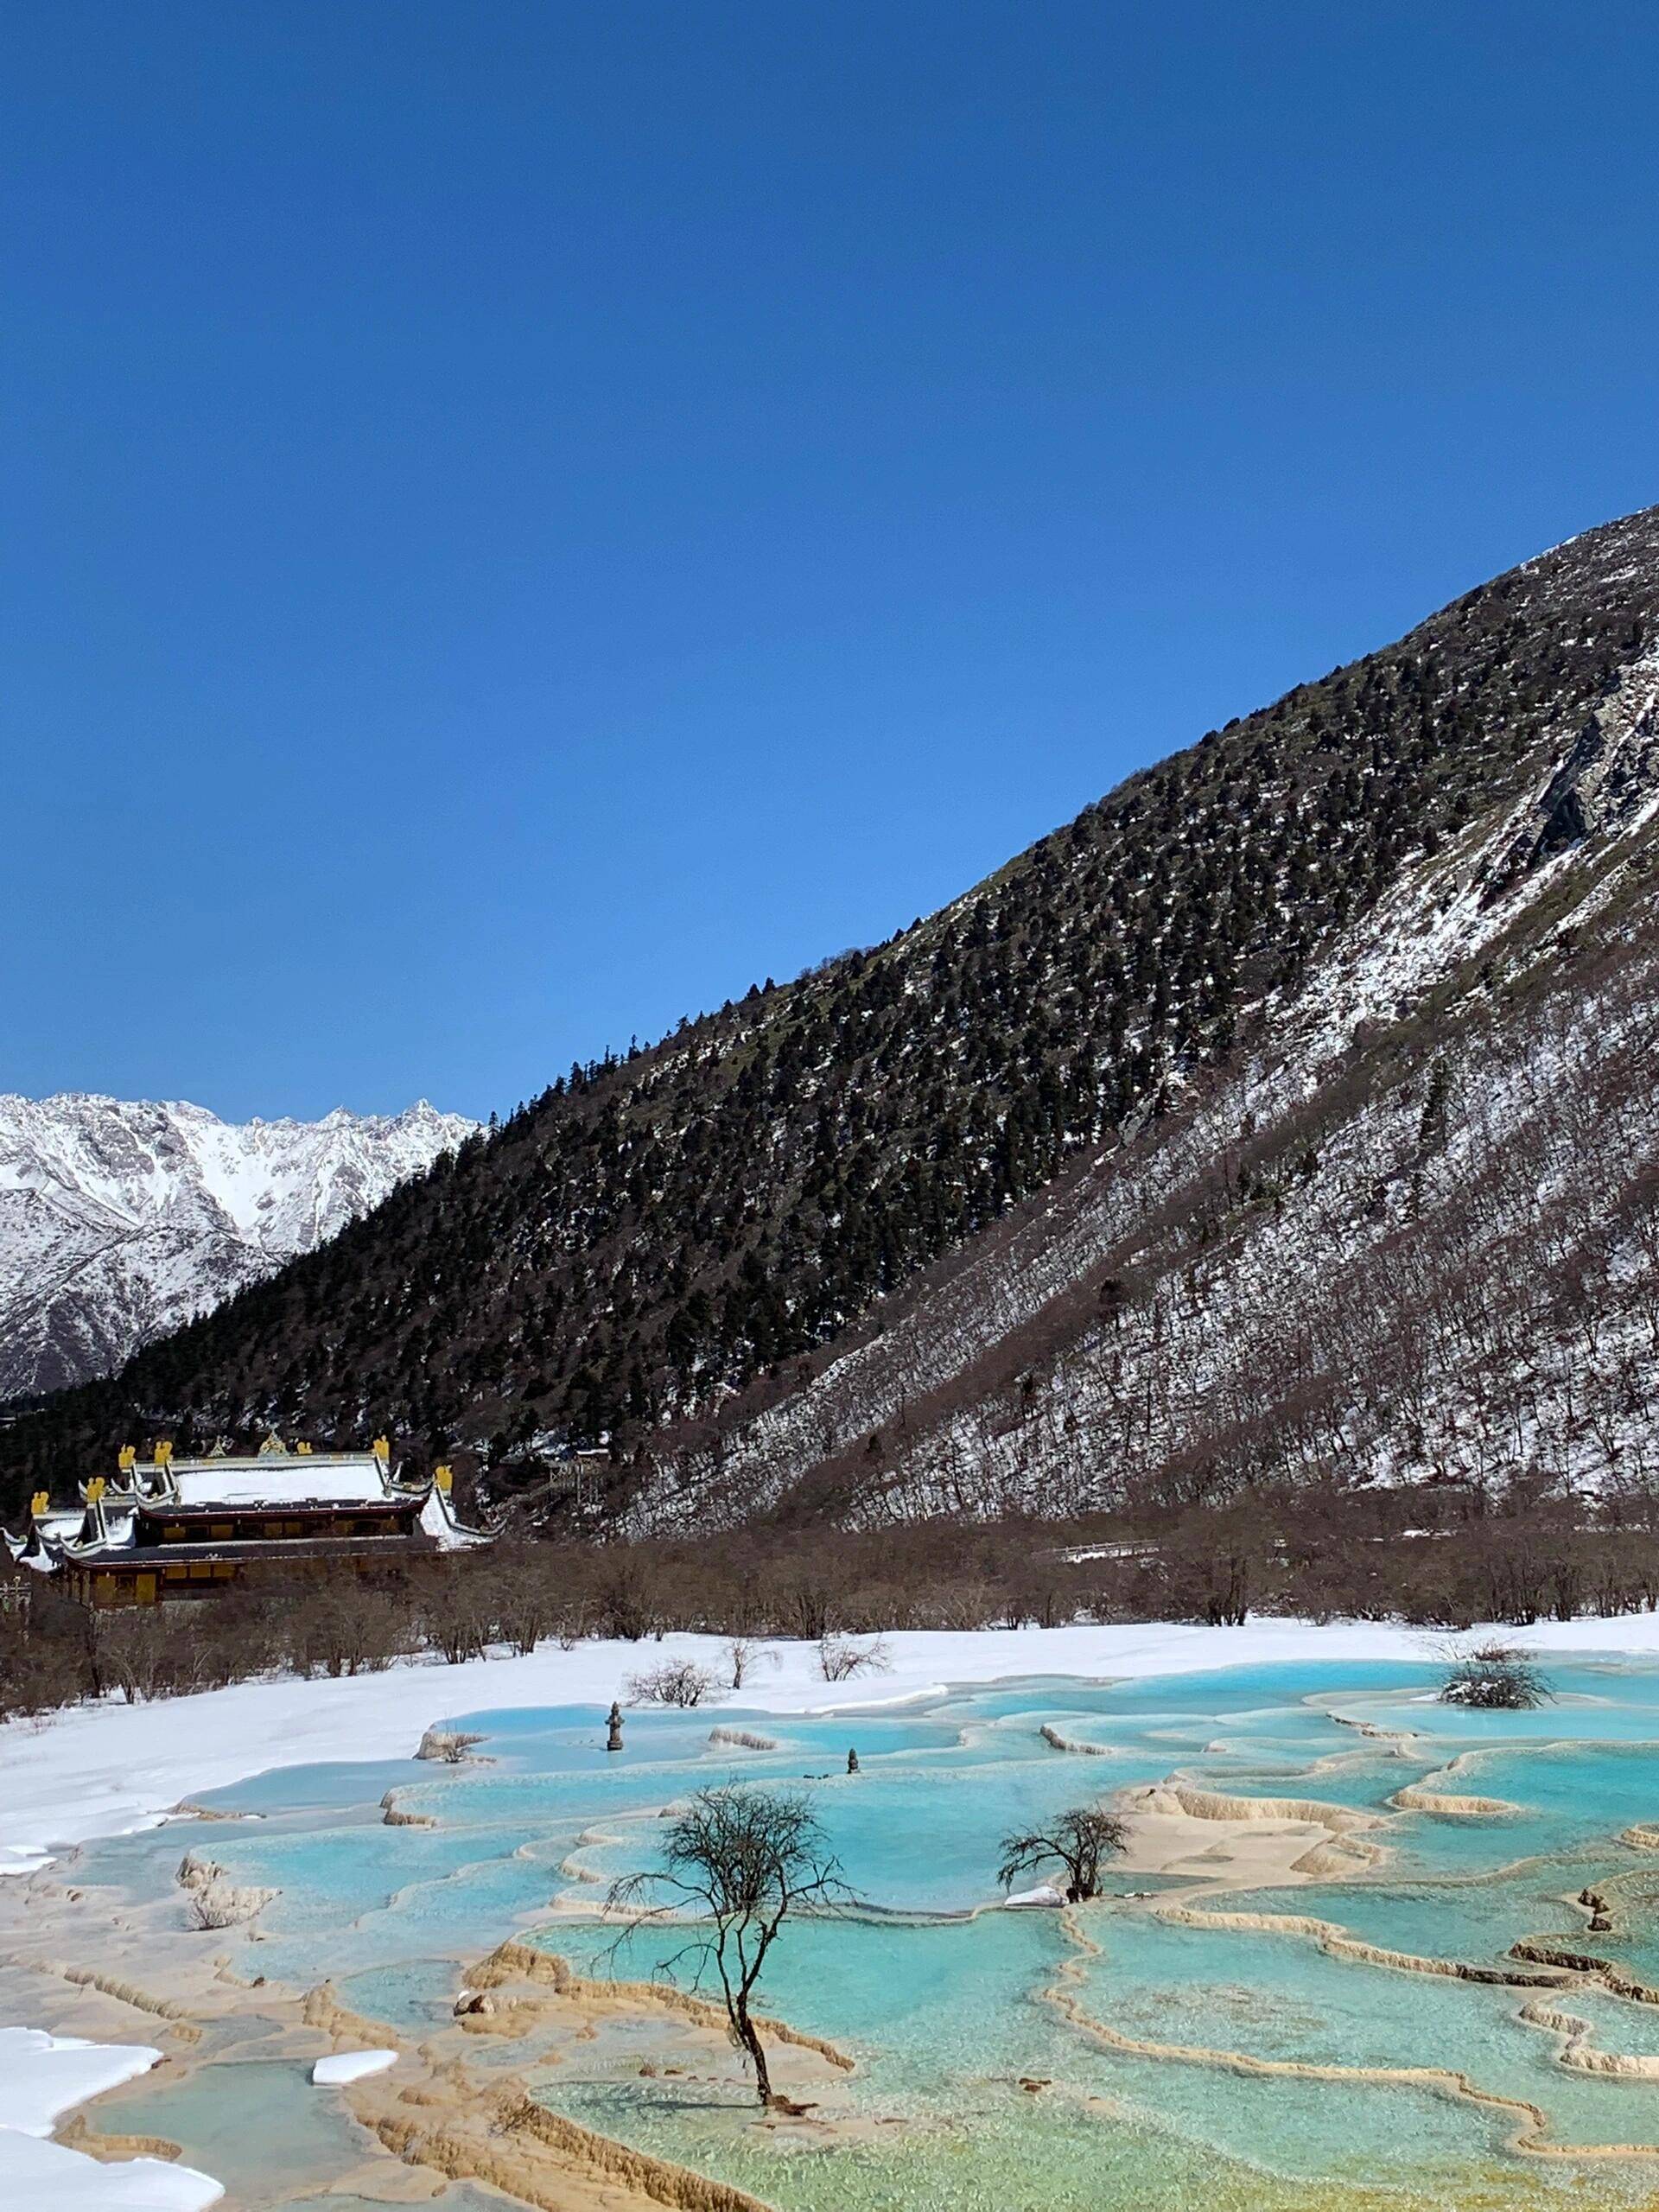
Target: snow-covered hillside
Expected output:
[120,1221]
[1412,1234]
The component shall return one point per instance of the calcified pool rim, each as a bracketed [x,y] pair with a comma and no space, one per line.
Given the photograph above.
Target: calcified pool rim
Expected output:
[1061,1731]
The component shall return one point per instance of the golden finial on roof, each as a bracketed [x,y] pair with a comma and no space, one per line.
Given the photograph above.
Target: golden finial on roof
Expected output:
[164,1455]
[444,1478]
[273,1448]
[304,1451]
[127,1458]
[96,1488]
[381,1449]
[38,1504]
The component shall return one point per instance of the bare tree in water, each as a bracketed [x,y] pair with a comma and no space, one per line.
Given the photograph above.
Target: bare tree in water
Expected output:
[1080,1840]
[736,1862]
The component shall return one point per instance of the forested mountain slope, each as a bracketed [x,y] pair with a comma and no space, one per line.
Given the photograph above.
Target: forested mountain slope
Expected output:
[1413,1236]
[1126,1157]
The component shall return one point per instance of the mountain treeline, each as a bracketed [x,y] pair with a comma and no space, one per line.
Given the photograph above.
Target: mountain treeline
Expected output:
[1412,1554]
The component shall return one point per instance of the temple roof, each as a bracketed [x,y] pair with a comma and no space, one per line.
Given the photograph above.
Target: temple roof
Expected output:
[346,1478]
[273,1480]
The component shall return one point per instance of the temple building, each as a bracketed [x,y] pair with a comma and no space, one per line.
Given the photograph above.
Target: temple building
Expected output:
[188,1528]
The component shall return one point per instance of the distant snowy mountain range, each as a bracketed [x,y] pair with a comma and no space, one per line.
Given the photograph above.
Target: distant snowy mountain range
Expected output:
[120,1221]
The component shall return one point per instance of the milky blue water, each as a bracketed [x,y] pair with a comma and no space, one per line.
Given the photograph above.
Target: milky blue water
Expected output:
[942,2004]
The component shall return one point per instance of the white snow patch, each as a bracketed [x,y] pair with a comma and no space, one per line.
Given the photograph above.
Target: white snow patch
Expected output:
[351,2066]
[292,1481]
[43,2077]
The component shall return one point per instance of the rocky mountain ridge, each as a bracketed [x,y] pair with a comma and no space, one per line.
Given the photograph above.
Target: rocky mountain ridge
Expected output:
[122,1220]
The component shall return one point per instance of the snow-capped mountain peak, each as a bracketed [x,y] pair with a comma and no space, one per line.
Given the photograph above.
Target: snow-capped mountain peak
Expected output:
[121,1219]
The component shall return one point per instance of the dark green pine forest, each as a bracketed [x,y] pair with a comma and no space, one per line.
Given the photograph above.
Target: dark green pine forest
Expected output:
[657,1231]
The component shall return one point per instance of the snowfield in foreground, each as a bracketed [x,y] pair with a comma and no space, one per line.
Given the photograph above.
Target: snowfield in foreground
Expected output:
[42,2077]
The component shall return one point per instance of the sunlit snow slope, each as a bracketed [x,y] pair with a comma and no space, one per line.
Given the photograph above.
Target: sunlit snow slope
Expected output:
[120,1220]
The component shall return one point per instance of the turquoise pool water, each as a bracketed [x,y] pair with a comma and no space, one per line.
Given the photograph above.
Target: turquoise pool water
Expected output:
[947,2008]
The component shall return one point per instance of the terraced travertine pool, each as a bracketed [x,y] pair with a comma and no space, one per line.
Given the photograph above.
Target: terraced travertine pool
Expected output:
[1196,2038]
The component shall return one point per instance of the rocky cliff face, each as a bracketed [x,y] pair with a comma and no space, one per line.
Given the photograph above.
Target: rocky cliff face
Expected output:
[120,1221]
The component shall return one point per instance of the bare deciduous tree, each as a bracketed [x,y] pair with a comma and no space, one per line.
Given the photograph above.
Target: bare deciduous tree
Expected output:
[457,1613]
[526,1595]
[736,1862]
[1080,1840]
[340,1628]
[839,1658]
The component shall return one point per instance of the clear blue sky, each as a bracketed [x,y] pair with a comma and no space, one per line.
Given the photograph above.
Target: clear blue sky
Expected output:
[521,519]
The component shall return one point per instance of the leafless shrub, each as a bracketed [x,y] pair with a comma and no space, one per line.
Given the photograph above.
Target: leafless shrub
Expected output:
[345,1628]
[839,1658]
[677,1682]
[526,1595]
[140,1654]
[449,1746]
[573,1622]
[458,1613]
[215,1908]
[213,1900]
[1495,1677]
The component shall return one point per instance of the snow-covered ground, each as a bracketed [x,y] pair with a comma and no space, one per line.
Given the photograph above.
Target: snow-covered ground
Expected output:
[103,1769]
[43,2077]
[106,1769]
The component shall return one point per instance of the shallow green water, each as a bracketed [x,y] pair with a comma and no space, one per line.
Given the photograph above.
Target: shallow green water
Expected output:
[943,2005]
